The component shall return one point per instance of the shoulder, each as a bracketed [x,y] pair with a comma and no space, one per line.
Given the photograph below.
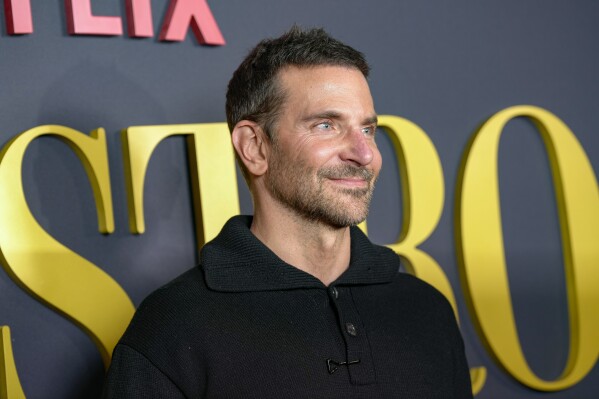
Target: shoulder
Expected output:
[161,342]
[410,299]
[431,311]
[418,287]
[180,291]
[167,311]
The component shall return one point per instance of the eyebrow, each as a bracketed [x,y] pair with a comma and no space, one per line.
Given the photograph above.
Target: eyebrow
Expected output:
[372,120]
[323,115]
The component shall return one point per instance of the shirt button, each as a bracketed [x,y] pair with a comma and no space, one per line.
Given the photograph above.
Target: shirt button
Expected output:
[351,329]
[334,292]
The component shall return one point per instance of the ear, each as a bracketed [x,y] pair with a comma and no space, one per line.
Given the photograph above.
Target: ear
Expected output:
[249,141]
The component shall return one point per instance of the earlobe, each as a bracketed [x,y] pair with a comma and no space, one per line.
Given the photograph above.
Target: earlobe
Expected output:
[248,141]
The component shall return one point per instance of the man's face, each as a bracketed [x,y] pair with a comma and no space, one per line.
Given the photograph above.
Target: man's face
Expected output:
[324,160]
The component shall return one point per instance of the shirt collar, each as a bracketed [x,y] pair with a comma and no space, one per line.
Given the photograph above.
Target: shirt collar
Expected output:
[236,261]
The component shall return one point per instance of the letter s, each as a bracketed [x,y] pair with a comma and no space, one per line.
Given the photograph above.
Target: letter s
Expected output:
[48,270]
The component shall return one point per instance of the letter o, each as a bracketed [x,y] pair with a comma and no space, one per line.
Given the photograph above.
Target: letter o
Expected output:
[481,250]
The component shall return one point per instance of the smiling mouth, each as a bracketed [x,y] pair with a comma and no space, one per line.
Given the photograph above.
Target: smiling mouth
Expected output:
[348,174]
[350,182]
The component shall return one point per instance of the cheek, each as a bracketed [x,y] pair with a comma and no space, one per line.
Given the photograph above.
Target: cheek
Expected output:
[317,156]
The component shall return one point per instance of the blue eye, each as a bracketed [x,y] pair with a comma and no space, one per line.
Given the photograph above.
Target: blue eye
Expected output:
[369,130]
[325,125]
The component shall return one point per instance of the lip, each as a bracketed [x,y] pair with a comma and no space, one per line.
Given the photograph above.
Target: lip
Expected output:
[350,182]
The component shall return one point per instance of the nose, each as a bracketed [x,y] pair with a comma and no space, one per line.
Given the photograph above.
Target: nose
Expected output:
[359,148]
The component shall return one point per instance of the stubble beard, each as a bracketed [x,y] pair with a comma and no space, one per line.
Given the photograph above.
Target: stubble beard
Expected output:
[305,191]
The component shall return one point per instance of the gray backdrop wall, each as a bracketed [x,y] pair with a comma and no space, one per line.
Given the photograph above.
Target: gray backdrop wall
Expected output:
[446,66]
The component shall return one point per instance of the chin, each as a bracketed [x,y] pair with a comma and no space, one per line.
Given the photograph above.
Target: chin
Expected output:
[340,220]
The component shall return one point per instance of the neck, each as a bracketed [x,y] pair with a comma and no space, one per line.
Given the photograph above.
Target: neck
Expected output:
[318,249]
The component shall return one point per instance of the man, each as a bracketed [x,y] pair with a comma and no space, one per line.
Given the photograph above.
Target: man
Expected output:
[296,302]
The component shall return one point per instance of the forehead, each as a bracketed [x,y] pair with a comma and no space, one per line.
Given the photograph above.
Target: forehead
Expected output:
[325,86]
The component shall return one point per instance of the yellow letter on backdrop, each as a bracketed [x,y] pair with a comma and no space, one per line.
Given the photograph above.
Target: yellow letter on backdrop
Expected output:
[44,267]
[212,168]
[10,386]
[423,195]
[480,240]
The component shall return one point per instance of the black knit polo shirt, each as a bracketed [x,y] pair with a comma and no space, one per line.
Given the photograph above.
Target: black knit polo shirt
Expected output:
[245,324]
